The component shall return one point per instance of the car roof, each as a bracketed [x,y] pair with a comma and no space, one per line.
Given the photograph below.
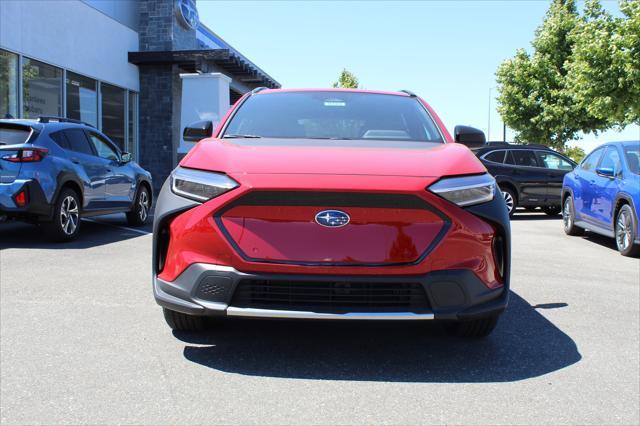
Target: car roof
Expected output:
[377,92]
[501,146]
[50,126]
[624,143]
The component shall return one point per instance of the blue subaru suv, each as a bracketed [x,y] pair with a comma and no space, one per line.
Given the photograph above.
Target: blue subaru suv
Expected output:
[602,195]
[53,171]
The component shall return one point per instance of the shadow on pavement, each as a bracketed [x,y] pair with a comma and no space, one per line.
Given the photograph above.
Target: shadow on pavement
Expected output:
[524,345]
[608,242]
[537,215]
[101,231]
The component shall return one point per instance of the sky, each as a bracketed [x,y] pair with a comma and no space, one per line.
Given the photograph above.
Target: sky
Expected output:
[445,51]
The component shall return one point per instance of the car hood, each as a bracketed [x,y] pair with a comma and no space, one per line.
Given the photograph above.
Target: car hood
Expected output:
[332,157]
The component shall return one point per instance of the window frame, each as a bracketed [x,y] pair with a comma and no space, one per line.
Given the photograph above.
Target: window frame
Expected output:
[532,151]
[69,129]
[562,157]
[128,92]
[582,163]
[627,164]
[504,156]
[18,84]
[102,137]
[620,160]
[61,92]
[67,80]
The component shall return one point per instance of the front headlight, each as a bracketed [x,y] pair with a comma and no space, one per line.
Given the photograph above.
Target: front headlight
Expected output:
[466,190]
[199,185]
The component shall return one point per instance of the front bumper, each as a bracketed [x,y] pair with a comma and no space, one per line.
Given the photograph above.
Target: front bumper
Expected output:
[454,276]
[205,289]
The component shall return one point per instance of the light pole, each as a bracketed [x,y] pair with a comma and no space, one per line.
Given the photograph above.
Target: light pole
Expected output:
[489,117]
[504,125]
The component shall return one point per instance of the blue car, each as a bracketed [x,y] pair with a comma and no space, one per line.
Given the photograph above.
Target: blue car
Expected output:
[602,195]
[54,171]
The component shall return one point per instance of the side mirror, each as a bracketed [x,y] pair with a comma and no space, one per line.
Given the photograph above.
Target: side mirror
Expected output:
[469,136]
[197,131]
[125,157]
[606,171]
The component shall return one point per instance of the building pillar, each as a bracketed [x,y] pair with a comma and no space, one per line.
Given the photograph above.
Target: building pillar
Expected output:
[156,122]
[204,97]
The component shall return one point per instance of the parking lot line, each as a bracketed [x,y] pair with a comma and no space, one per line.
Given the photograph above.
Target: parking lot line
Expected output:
[138,231]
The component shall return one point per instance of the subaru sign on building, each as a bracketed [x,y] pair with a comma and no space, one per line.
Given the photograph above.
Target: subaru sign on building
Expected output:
[136,69]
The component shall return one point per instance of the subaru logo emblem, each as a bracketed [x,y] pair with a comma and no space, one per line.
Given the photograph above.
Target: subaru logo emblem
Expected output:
[332,218]
[188,13]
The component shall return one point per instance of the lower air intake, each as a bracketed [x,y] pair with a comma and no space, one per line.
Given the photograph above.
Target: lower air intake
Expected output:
[331,297]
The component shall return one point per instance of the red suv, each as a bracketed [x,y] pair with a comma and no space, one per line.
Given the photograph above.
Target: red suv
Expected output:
[332,204]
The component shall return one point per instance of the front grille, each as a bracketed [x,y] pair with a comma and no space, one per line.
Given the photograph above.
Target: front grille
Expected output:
[331,297]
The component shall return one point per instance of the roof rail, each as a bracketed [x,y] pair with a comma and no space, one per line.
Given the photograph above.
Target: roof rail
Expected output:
[51,118]
[497,143]
[410,93]
[537,145]
[259,89]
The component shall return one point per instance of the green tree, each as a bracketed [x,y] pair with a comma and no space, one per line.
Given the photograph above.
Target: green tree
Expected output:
[534,97]
[346,80]
[604,72]
[574,152]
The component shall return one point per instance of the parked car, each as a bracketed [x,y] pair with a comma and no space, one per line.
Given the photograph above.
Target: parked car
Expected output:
[602,195]
[529,176]
[53,171]
[332,204]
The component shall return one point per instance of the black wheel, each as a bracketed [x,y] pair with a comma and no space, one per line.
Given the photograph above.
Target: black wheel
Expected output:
[626,232]
[551,210]
[510,199]
[184,322]
[65,225]
[569,218]
[477,328]
[140,213]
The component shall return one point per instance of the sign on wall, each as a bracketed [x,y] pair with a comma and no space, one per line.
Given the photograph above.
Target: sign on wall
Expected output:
[187,13]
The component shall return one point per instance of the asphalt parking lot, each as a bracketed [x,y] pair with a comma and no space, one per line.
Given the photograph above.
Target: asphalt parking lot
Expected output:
[82,341]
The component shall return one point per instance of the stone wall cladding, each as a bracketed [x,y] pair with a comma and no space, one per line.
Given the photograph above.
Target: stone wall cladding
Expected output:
[160,88]
[156,122]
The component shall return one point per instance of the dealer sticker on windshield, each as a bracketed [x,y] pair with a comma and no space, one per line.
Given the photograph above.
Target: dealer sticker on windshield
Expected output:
[334,103]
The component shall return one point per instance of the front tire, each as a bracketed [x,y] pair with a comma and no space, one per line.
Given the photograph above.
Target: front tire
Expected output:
[184,322]
[477,328]
[569,218]
[65,225]
[626,232]
[510,199]
[140,212]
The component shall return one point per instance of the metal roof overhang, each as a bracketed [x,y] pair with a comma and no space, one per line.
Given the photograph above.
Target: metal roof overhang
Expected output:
[189,60]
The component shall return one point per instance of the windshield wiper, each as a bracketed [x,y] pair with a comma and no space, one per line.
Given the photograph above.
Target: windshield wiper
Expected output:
[241,137]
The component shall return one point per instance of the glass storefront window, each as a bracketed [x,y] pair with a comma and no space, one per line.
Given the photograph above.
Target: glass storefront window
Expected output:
[82,98]
[113,113]
[41,89]
[8,84]
[132,138]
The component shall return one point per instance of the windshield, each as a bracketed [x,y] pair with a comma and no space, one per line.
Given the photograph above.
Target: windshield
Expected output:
[333,115]
[633,158]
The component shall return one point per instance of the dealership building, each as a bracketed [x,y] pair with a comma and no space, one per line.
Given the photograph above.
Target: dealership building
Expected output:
[138,70]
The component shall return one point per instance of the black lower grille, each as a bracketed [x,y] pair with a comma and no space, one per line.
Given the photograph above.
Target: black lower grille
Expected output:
[331,297]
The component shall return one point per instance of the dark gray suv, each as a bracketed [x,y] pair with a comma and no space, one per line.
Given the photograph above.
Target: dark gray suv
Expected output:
[529,176]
